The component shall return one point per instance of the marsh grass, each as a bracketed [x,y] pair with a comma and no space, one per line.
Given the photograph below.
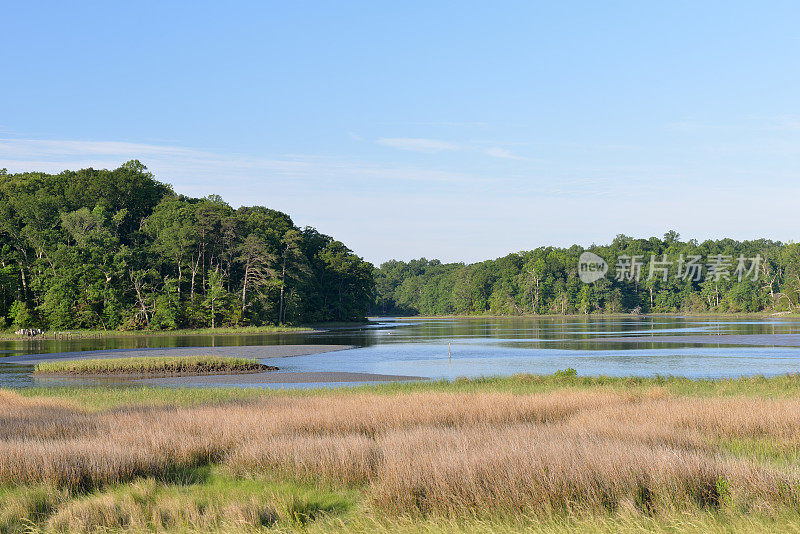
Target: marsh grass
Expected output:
[216,502]
[153,366]
[99,397]
[202,500]
[560,455]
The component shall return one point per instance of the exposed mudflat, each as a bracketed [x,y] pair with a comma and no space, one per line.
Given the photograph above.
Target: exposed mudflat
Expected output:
[256,351]
[219,379]
[157,374]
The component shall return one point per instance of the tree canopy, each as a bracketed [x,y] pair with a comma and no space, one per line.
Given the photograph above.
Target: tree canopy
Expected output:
[117,249]
[546,280]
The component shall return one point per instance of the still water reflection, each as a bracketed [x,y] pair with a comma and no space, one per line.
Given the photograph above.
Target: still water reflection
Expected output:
[491,346]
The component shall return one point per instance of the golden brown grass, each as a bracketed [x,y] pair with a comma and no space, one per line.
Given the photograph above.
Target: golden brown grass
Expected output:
[427,454]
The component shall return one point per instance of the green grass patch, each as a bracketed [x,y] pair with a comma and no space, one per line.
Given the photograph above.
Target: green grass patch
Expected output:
[105,397]
[755,386]
[206,499]
[153,366]
[762,449]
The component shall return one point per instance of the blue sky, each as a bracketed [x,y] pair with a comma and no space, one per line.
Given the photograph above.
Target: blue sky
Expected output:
[457,130]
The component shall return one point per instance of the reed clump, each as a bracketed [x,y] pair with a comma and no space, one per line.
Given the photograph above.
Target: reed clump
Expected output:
[153,366]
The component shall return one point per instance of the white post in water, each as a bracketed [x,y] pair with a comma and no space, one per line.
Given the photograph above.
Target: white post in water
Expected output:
[449,353]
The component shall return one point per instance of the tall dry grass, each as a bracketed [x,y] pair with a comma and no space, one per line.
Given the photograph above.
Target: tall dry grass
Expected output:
[523,468]
[452,454]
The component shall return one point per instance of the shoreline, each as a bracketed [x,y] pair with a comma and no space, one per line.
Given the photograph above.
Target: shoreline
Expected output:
[106,334]
[245,351]
[677,315]
[254,379]
[322,327]
[221,331]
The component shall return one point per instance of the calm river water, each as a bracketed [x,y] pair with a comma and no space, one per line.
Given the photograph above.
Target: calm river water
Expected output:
[498,346]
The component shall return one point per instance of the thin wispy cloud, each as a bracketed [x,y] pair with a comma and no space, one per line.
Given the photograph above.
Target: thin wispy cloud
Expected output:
[56,155]
[430,146]
[502,153]
[202,169]
[56,148]
[750,123]
[434,146]
[245,179]
[438,124]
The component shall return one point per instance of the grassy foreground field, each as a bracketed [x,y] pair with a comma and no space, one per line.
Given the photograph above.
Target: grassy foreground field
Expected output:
[153,366]
[549,454]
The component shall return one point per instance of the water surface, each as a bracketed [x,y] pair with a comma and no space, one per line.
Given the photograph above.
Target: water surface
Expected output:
[453,347]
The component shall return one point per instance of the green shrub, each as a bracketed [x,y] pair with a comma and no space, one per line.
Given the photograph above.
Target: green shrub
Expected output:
[569,372]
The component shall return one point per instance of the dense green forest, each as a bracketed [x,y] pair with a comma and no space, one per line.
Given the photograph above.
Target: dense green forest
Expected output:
[120,250]
[546,280]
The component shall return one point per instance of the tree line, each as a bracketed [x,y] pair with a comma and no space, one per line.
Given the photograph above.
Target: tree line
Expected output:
[547,280]
[117,249]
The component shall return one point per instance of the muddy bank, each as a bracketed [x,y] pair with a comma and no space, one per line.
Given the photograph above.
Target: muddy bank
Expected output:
[255,351]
